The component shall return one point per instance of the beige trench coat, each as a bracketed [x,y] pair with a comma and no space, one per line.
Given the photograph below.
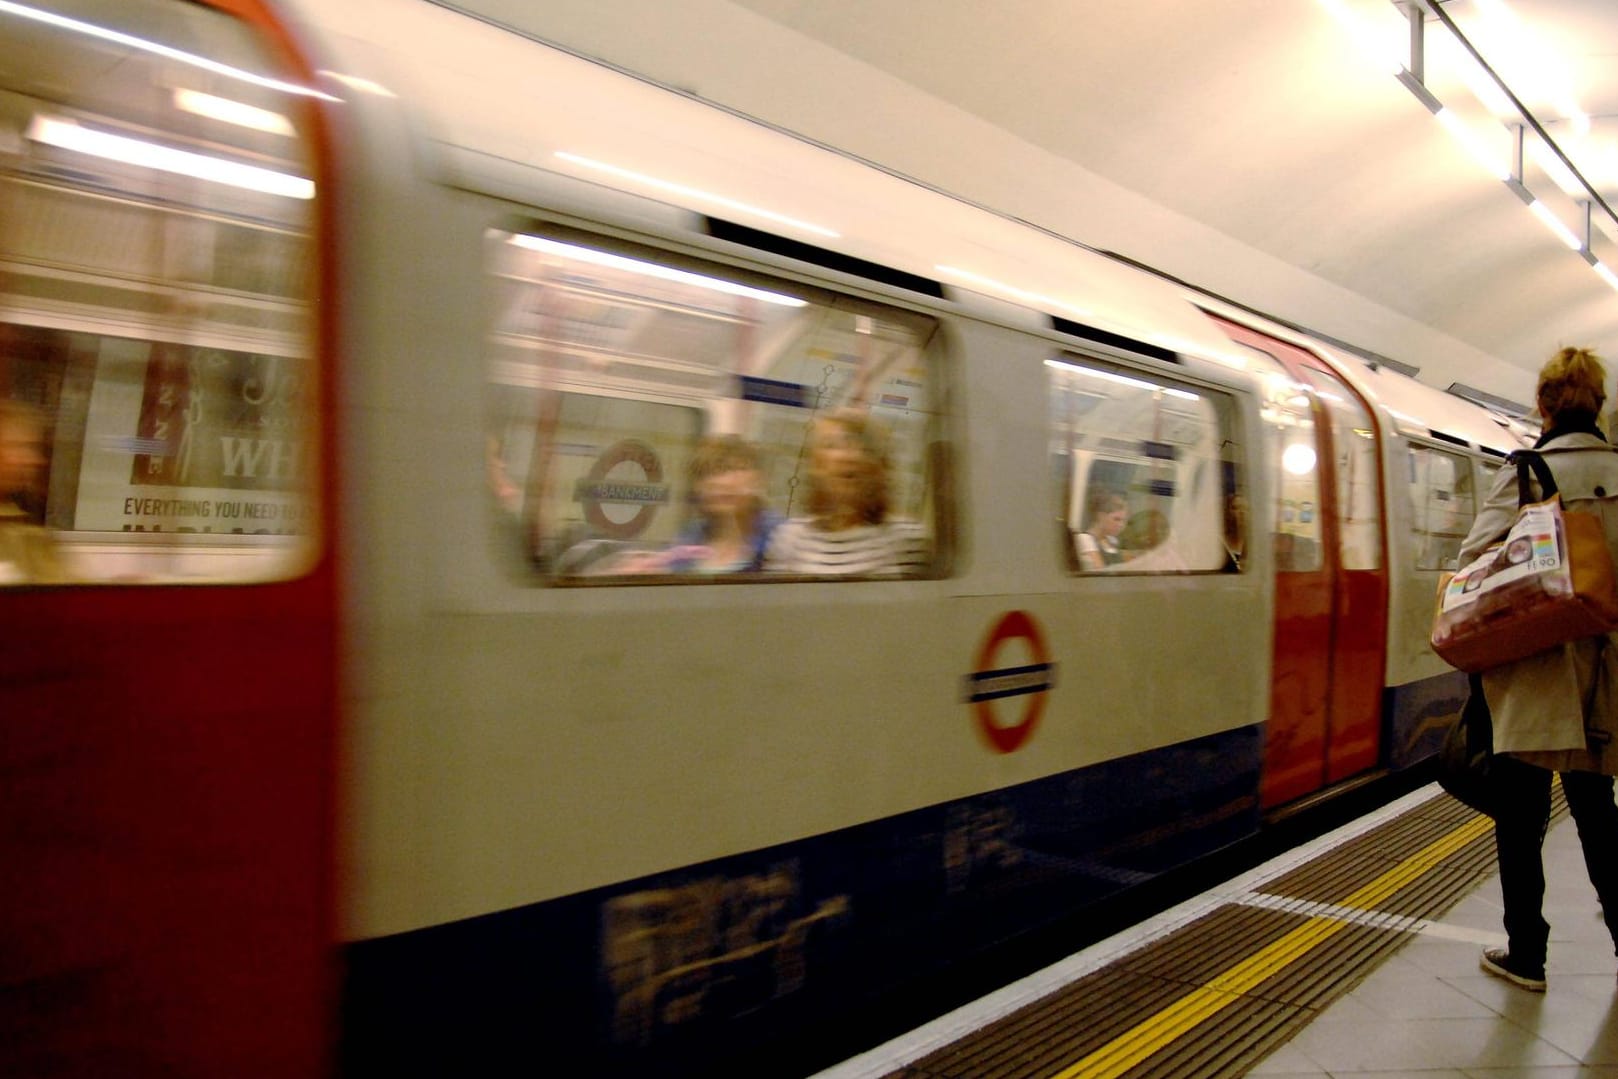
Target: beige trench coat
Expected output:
[1538,702]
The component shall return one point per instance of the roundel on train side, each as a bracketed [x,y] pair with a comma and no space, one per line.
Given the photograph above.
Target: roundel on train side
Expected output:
[1020,687]
[628,474]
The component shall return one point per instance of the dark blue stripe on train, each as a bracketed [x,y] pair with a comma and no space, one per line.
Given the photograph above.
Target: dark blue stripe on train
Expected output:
[1010,682]
[1415,717]
[673,970]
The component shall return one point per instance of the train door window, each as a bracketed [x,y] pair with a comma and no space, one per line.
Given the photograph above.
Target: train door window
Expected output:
[1359,503]
[1144,468]
[156,267]
[1442,505]
[655,419]
[1290,430]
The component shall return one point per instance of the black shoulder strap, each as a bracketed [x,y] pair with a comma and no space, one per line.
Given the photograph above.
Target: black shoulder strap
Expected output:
[1526,461]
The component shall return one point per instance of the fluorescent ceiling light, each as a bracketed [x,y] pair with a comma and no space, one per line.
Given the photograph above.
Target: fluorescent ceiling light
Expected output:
[1555,224]
[1384,45]
[232,112]
[694,193]
[1493,163]
[1526,61]
[1125,380]
[117,37]
[1445,51]
[67,135]
[1033,299]
[1606,274]
[652,269]
[1554,167]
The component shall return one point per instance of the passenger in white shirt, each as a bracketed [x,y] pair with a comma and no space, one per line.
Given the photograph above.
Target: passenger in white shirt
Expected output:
[847,531]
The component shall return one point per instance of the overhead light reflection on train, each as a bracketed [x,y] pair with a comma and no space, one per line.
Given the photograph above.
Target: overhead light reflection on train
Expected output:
[1012,291]
[694,193]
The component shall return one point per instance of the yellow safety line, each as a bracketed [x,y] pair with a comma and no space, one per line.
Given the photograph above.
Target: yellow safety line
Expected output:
[1153,1034]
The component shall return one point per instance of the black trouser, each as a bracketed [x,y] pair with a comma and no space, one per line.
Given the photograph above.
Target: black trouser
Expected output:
[1519,835]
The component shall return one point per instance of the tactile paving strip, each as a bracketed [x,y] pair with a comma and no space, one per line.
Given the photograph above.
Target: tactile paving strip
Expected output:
[1176,997]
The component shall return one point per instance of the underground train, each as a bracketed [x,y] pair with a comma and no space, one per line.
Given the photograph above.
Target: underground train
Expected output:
[364,719]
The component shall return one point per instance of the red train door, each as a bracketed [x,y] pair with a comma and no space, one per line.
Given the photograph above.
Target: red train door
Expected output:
[1331,592]
[168,601]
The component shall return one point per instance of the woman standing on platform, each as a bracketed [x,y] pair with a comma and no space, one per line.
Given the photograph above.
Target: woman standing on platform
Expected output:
[1557,710]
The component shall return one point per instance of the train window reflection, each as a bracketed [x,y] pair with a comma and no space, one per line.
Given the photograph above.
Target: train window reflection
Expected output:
[1147,472]
[657,421]
[156,231]
[1442,505]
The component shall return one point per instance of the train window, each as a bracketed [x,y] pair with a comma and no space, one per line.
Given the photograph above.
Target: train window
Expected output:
[1359,513]
[1442,505]
[156,237]
[1145,471]
[658,420]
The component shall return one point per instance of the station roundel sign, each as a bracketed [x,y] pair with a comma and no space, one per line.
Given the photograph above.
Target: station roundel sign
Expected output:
[1026,684]
[642,487]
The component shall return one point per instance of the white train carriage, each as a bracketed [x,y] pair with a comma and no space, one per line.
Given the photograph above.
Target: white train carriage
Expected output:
[378,345]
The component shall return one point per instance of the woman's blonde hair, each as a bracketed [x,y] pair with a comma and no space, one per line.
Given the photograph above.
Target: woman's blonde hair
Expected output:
[1573,382]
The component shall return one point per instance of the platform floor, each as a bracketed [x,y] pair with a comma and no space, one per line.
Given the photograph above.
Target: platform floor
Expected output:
[1353,955]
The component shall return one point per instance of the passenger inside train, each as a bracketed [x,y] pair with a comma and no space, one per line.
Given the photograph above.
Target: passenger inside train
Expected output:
[610,373]
[1104,521]
[848,529]
[1235,531]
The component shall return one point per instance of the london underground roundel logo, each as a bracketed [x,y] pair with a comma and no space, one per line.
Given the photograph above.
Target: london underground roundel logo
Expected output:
[628,478]
[1008,699]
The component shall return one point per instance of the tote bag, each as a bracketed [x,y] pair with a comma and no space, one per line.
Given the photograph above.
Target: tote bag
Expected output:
[1549,581]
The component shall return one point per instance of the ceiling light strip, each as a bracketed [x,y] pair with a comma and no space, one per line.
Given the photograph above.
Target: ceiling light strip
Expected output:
[67,135]
[653,269]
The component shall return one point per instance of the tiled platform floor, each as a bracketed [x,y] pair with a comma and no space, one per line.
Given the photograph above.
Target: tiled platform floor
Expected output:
[1430,1012]
[1427,1011]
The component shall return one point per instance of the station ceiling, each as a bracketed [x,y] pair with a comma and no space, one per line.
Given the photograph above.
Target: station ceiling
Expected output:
[1264,151]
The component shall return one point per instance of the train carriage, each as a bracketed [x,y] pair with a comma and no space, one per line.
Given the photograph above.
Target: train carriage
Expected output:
[375,411]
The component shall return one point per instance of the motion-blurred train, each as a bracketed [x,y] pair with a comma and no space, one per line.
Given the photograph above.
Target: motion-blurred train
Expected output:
[372,341]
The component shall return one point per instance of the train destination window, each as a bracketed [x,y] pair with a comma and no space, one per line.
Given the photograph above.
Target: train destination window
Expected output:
[1148,472]
[1442,505]
[653,420]
[156,343]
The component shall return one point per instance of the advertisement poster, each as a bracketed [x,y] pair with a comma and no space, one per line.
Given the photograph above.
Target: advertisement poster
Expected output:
[187,439]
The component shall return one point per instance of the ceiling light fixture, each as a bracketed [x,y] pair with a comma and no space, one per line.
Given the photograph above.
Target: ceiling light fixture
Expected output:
[232,112]
[1123,380]
[1493,163]
[117,37]
[1556,225]
[652,269]
[67,135]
